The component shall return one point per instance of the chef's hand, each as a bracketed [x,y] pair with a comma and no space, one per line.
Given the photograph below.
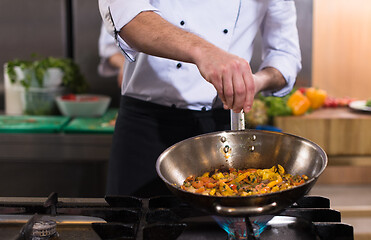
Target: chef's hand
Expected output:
[120,76]
[231,76]
[117,60]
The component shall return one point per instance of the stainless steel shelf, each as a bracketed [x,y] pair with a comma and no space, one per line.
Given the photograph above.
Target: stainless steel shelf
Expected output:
[73,165]
[54,147]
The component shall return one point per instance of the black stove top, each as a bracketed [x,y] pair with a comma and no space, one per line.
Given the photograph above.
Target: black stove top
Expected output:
[167,218]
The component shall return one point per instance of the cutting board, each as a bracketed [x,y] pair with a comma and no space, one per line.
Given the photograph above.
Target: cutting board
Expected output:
[104,124]
[32,124]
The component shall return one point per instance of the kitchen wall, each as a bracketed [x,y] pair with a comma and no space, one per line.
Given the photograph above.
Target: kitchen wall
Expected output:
[59,28]
[304,22]
[341,47]
[27,27]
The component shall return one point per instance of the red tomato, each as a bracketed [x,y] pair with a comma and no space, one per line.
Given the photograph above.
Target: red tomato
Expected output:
[334,102]
[69,97]
[330,102]
[233,186]
[302,90]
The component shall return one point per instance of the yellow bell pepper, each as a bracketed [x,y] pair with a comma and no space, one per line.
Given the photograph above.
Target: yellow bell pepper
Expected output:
[240,178]
[218,176]
[212,192]
[316,97]
[298,103]
[206,174]
[225,189]
[275,182]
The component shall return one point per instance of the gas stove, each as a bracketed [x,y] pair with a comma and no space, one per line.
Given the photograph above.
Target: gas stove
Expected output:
[161,217]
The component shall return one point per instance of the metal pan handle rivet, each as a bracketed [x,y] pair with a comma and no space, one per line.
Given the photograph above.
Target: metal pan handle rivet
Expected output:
[251,148]
[226,149]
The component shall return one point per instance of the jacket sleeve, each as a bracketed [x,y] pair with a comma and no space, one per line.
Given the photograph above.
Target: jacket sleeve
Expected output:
[107,47]
[117,13]
[281,43]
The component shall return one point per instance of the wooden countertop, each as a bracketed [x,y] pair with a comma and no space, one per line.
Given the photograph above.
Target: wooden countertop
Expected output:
[333,113]
[339,131]
[344,134]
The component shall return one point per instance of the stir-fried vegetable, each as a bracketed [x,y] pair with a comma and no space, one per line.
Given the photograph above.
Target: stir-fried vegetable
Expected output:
[244,182]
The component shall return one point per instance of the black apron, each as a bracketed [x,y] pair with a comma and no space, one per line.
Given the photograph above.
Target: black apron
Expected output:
[143,131]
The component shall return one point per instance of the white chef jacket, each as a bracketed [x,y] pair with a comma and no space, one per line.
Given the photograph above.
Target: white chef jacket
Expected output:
[229,24]
[107,47]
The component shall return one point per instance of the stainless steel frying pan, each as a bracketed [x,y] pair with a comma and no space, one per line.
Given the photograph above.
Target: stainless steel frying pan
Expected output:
[246,149]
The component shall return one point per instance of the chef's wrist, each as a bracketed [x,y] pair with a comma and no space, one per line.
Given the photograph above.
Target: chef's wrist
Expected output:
[268,78]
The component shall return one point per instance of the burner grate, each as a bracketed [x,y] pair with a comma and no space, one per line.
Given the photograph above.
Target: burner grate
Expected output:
[168,218]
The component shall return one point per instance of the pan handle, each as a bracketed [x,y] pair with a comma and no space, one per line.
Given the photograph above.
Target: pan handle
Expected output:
[244,211]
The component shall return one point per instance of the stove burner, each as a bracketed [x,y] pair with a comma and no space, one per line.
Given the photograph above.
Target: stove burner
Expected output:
[237,230]
[267,227]
[243,228]
[44,229]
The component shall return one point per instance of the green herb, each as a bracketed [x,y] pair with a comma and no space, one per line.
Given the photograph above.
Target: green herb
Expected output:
[276,106]
[23,64]
[368,103]
[73,80]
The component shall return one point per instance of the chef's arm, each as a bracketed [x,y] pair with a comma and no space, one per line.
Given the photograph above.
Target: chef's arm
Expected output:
[269,79]
[186,47]
[231,75]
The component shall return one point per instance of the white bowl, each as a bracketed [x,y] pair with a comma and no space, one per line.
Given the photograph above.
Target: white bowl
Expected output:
[85,105]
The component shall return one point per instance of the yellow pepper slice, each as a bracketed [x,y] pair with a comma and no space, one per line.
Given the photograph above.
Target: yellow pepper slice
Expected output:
[225,189]
[218,176]
[275,182]
[212,192]
[206,174]
[240,178]
[281,170]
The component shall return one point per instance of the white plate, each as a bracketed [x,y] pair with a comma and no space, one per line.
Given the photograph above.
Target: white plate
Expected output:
[360,106]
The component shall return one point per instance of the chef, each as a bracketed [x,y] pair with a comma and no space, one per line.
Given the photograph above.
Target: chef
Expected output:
[187,65]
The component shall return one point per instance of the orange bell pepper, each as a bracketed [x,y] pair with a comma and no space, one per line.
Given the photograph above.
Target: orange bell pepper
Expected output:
[298,103]
[316,97]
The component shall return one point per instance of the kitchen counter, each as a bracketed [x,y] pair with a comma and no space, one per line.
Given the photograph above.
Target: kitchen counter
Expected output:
[344,134]
[40,154]
[74,165]
[339,131]
[54,147]
[354,203]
